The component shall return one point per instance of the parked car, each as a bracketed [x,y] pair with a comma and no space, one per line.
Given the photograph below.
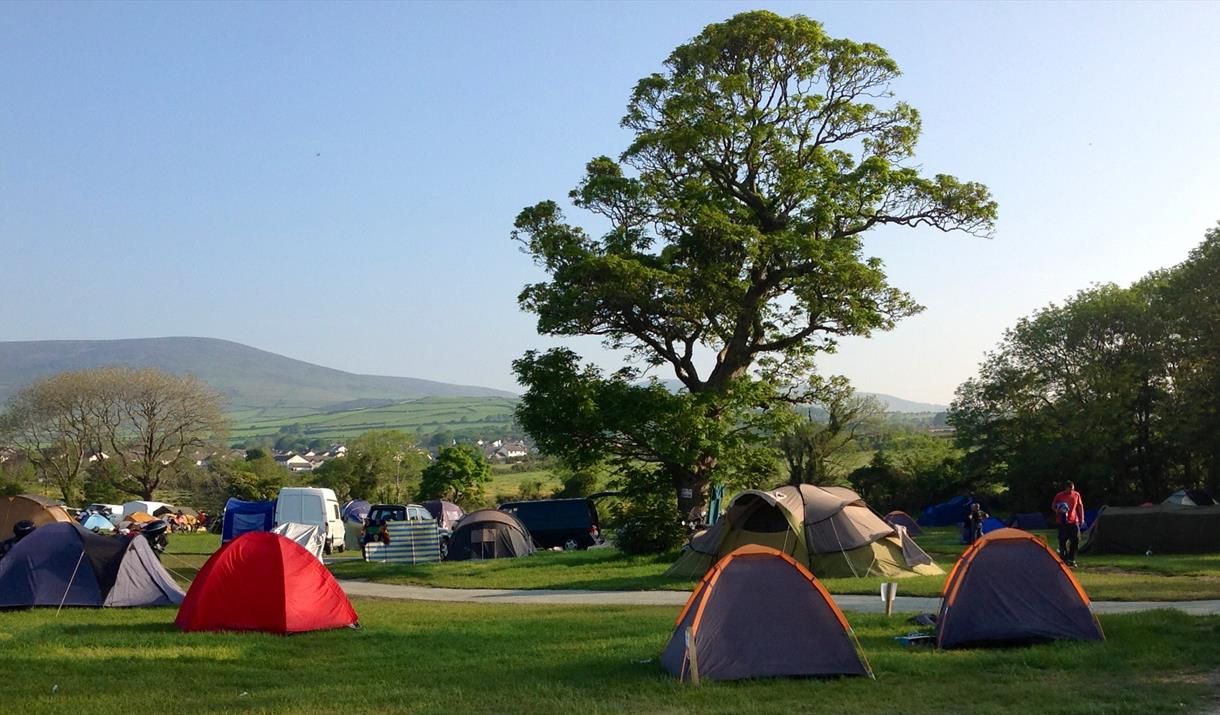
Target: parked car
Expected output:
[379,514]
[566,523]
[314,507]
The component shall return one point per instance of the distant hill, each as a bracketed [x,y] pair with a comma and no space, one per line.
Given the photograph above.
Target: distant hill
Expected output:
[249,379]
[892,404]
[897,404]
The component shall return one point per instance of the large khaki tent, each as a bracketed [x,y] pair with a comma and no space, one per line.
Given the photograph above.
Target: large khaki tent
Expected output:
[829,530]
[757,614]
[39,510]
[1161,529]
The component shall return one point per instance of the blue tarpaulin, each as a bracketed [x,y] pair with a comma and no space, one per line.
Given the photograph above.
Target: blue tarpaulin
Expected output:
[242,516]
[949,513]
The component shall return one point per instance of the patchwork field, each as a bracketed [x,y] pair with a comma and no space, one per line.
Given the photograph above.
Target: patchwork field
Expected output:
[428,415]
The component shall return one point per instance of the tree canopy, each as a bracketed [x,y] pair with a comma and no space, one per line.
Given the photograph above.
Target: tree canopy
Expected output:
[458,474]
[148,422]
[1116,388]
[732,255]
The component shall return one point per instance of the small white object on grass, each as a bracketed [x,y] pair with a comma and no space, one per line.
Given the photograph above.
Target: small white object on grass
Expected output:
[55,688]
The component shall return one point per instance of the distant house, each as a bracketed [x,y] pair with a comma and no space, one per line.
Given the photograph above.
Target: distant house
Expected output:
[504,450]
[294,462]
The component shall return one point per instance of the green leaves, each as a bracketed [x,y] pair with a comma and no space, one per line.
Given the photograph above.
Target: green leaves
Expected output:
[761,153]
[458,474]
[1115,388]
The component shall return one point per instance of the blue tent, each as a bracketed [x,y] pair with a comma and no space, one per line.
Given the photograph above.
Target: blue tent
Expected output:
[949,513]
[64,565]
[991,523]
[1090,515]
[242,516]
[356,511]
[97,521]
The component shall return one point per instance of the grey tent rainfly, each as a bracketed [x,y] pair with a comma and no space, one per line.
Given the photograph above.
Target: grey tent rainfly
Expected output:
[63,564]
[489,534]
[1155,529]
[1010,588]
[758,613]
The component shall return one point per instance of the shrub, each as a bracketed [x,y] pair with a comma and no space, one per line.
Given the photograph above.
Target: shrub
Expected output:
[647,516]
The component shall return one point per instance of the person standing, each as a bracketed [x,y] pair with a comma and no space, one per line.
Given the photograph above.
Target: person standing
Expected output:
[974,523]
[1069,515]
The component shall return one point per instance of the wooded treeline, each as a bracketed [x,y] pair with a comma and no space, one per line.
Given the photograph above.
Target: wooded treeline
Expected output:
[1117,389]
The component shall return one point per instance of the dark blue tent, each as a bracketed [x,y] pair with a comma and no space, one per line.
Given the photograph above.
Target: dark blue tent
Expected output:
[991,523]
[949,513]
[1090,515]
[242,516]
[1029,522]
[65,564]
[355,511]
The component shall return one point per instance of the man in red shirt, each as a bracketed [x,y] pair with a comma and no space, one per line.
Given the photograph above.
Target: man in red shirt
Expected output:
[1069,515]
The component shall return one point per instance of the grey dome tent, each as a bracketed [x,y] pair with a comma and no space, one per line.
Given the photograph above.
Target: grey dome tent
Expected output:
[489,534]
[1190,497]
[1009,588]
[903,519]
[756,614]
[65,564]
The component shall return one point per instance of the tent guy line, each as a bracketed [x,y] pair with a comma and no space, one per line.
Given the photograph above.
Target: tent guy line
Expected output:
[854,603]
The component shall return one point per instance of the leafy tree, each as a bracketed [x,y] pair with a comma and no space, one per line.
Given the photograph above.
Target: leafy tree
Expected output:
[761,155]
[339,475]
[1073,392]
[458,474]
[646,517]
[49,421]
[576,483]
[530,489]
[815,449]
[1188,300]
[149,422]
[385,464]
[98,484]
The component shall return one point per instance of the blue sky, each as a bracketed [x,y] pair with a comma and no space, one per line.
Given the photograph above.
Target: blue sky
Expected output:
[337,182]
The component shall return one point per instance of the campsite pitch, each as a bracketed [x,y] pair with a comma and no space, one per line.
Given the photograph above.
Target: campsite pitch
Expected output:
[447,658]
[1109,578]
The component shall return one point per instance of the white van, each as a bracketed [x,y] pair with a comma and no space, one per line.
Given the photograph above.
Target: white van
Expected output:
[313,507]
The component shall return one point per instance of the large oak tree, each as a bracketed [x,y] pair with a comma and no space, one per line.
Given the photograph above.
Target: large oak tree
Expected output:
[762,154]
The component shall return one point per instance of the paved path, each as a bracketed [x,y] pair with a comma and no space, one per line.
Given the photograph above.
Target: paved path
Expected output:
[860,604]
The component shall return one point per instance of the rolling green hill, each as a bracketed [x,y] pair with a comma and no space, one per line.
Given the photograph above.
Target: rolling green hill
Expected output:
[473,416]
[248,378]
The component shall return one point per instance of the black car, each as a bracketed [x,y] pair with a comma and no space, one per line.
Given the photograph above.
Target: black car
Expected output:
[566,523]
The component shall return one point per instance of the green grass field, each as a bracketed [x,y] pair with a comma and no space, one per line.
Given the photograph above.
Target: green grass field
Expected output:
[1105,578]
[462,415]
[466,658]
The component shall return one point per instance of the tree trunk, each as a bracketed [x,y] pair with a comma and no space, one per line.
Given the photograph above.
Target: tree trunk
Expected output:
[691,486]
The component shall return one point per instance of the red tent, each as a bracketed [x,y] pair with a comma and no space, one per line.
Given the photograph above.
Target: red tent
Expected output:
[264,582]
